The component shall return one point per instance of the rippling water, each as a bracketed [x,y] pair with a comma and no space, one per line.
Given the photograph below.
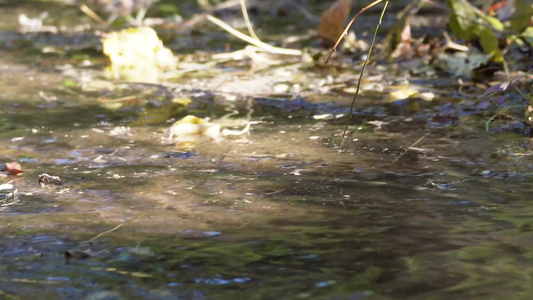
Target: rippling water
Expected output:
[277,213]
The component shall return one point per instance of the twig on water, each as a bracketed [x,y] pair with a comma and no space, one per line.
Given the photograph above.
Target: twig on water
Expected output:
[408,148]
[105,232]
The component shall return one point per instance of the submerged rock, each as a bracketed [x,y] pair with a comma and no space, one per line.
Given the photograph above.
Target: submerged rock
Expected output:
[8,194]
[46,181]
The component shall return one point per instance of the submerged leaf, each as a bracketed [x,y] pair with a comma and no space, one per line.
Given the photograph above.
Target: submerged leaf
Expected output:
[158,115]
[76,254]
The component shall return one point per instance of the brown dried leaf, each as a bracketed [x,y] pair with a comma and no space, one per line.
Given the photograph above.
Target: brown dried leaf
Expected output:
[332,21]
[399,35]
[500,87]
[12,168]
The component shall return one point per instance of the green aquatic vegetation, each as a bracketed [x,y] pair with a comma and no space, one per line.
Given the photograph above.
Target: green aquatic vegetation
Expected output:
[158,115]
[470,23]
[485,270]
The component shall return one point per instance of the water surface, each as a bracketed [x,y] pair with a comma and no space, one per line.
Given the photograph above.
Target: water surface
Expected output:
[276,213]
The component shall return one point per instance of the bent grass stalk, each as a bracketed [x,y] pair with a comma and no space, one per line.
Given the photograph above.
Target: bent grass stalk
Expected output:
[344,33]
[253,41]
[364,64]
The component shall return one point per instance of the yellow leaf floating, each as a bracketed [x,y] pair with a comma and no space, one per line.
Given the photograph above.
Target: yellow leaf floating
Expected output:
[189,130]
[182,101]
[401,94]
[427,96]
[137,54]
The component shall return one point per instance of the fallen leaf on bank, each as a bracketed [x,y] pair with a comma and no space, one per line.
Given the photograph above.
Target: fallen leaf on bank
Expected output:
[398,40]
[461,63]
[137,54]
[500,87]
[332,21]
[404,46]
[12,168]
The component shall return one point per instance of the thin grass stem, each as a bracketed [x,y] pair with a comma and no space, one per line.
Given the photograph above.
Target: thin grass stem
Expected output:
[362,72]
